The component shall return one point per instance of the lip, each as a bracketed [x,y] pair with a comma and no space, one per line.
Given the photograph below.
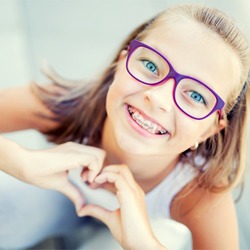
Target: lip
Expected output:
[141,130]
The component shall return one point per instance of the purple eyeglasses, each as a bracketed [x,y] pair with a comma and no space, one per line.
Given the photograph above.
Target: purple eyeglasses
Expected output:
[191,96]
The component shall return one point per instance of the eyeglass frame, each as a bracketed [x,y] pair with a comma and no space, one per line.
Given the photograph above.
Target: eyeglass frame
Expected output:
[134,44]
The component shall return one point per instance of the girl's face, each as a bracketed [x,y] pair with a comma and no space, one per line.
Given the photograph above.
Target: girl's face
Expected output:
[145,120]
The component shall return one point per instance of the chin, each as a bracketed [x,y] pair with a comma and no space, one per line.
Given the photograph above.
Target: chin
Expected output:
[133,147]
[129,145]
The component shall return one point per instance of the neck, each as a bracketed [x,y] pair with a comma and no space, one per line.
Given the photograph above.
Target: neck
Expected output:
[148,170]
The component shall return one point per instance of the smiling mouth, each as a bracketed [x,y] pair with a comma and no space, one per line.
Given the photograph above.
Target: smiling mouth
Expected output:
[146,124]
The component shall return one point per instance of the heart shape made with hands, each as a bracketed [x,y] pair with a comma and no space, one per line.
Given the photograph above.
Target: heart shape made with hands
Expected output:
[99,196]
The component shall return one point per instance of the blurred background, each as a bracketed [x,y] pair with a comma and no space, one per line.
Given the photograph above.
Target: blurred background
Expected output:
[78,38]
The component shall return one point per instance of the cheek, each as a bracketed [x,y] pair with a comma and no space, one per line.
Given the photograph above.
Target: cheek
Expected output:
[122,87]
[189,131]
[110,100]
[115,94]
[187,134]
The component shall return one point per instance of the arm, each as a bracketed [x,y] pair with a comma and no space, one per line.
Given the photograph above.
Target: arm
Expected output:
[211,217]
[49,168]
[20,109]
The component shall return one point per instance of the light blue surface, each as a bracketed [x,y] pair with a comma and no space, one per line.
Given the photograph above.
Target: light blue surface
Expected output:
[78,37]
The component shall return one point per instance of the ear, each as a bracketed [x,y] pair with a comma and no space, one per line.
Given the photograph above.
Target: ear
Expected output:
[214,129]
[122,54]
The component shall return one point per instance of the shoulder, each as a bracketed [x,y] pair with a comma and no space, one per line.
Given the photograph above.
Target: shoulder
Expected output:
[210,216]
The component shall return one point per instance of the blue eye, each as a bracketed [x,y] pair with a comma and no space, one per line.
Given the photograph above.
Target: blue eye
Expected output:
[150,66]
[197,97]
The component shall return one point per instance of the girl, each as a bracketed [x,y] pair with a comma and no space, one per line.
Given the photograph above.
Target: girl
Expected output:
[173,130]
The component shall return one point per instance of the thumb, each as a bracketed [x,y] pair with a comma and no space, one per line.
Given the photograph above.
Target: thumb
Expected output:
[110,218]
[97,212]
[74,194]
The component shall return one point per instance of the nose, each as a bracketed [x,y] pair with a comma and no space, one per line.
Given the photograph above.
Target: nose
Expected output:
[161,96]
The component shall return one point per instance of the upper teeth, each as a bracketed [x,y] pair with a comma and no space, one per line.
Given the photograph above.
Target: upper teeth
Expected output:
[146,124]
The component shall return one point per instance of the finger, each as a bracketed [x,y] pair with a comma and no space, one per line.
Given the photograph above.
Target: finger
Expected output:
[94,170]
[111,219]
[98,155]
[84,174]
[78,156]
[94,165]
[120,169]
[128,195]
[73,193]
[91,167]
[95,185]
[90,171]
[123,190]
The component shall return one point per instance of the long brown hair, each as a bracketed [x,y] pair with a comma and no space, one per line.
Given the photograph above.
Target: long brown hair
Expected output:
[79,106]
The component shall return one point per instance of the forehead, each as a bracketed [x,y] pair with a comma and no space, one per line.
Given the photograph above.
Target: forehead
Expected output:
[196,51]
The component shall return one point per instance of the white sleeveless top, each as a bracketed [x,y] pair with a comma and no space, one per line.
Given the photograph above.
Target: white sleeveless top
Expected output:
[158,200]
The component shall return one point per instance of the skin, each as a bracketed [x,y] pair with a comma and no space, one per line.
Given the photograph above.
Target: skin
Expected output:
[130,155]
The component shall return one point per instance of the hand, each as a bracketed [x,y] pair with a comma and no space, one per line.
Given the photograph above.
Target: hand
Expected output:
[129,224]
[49,168]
